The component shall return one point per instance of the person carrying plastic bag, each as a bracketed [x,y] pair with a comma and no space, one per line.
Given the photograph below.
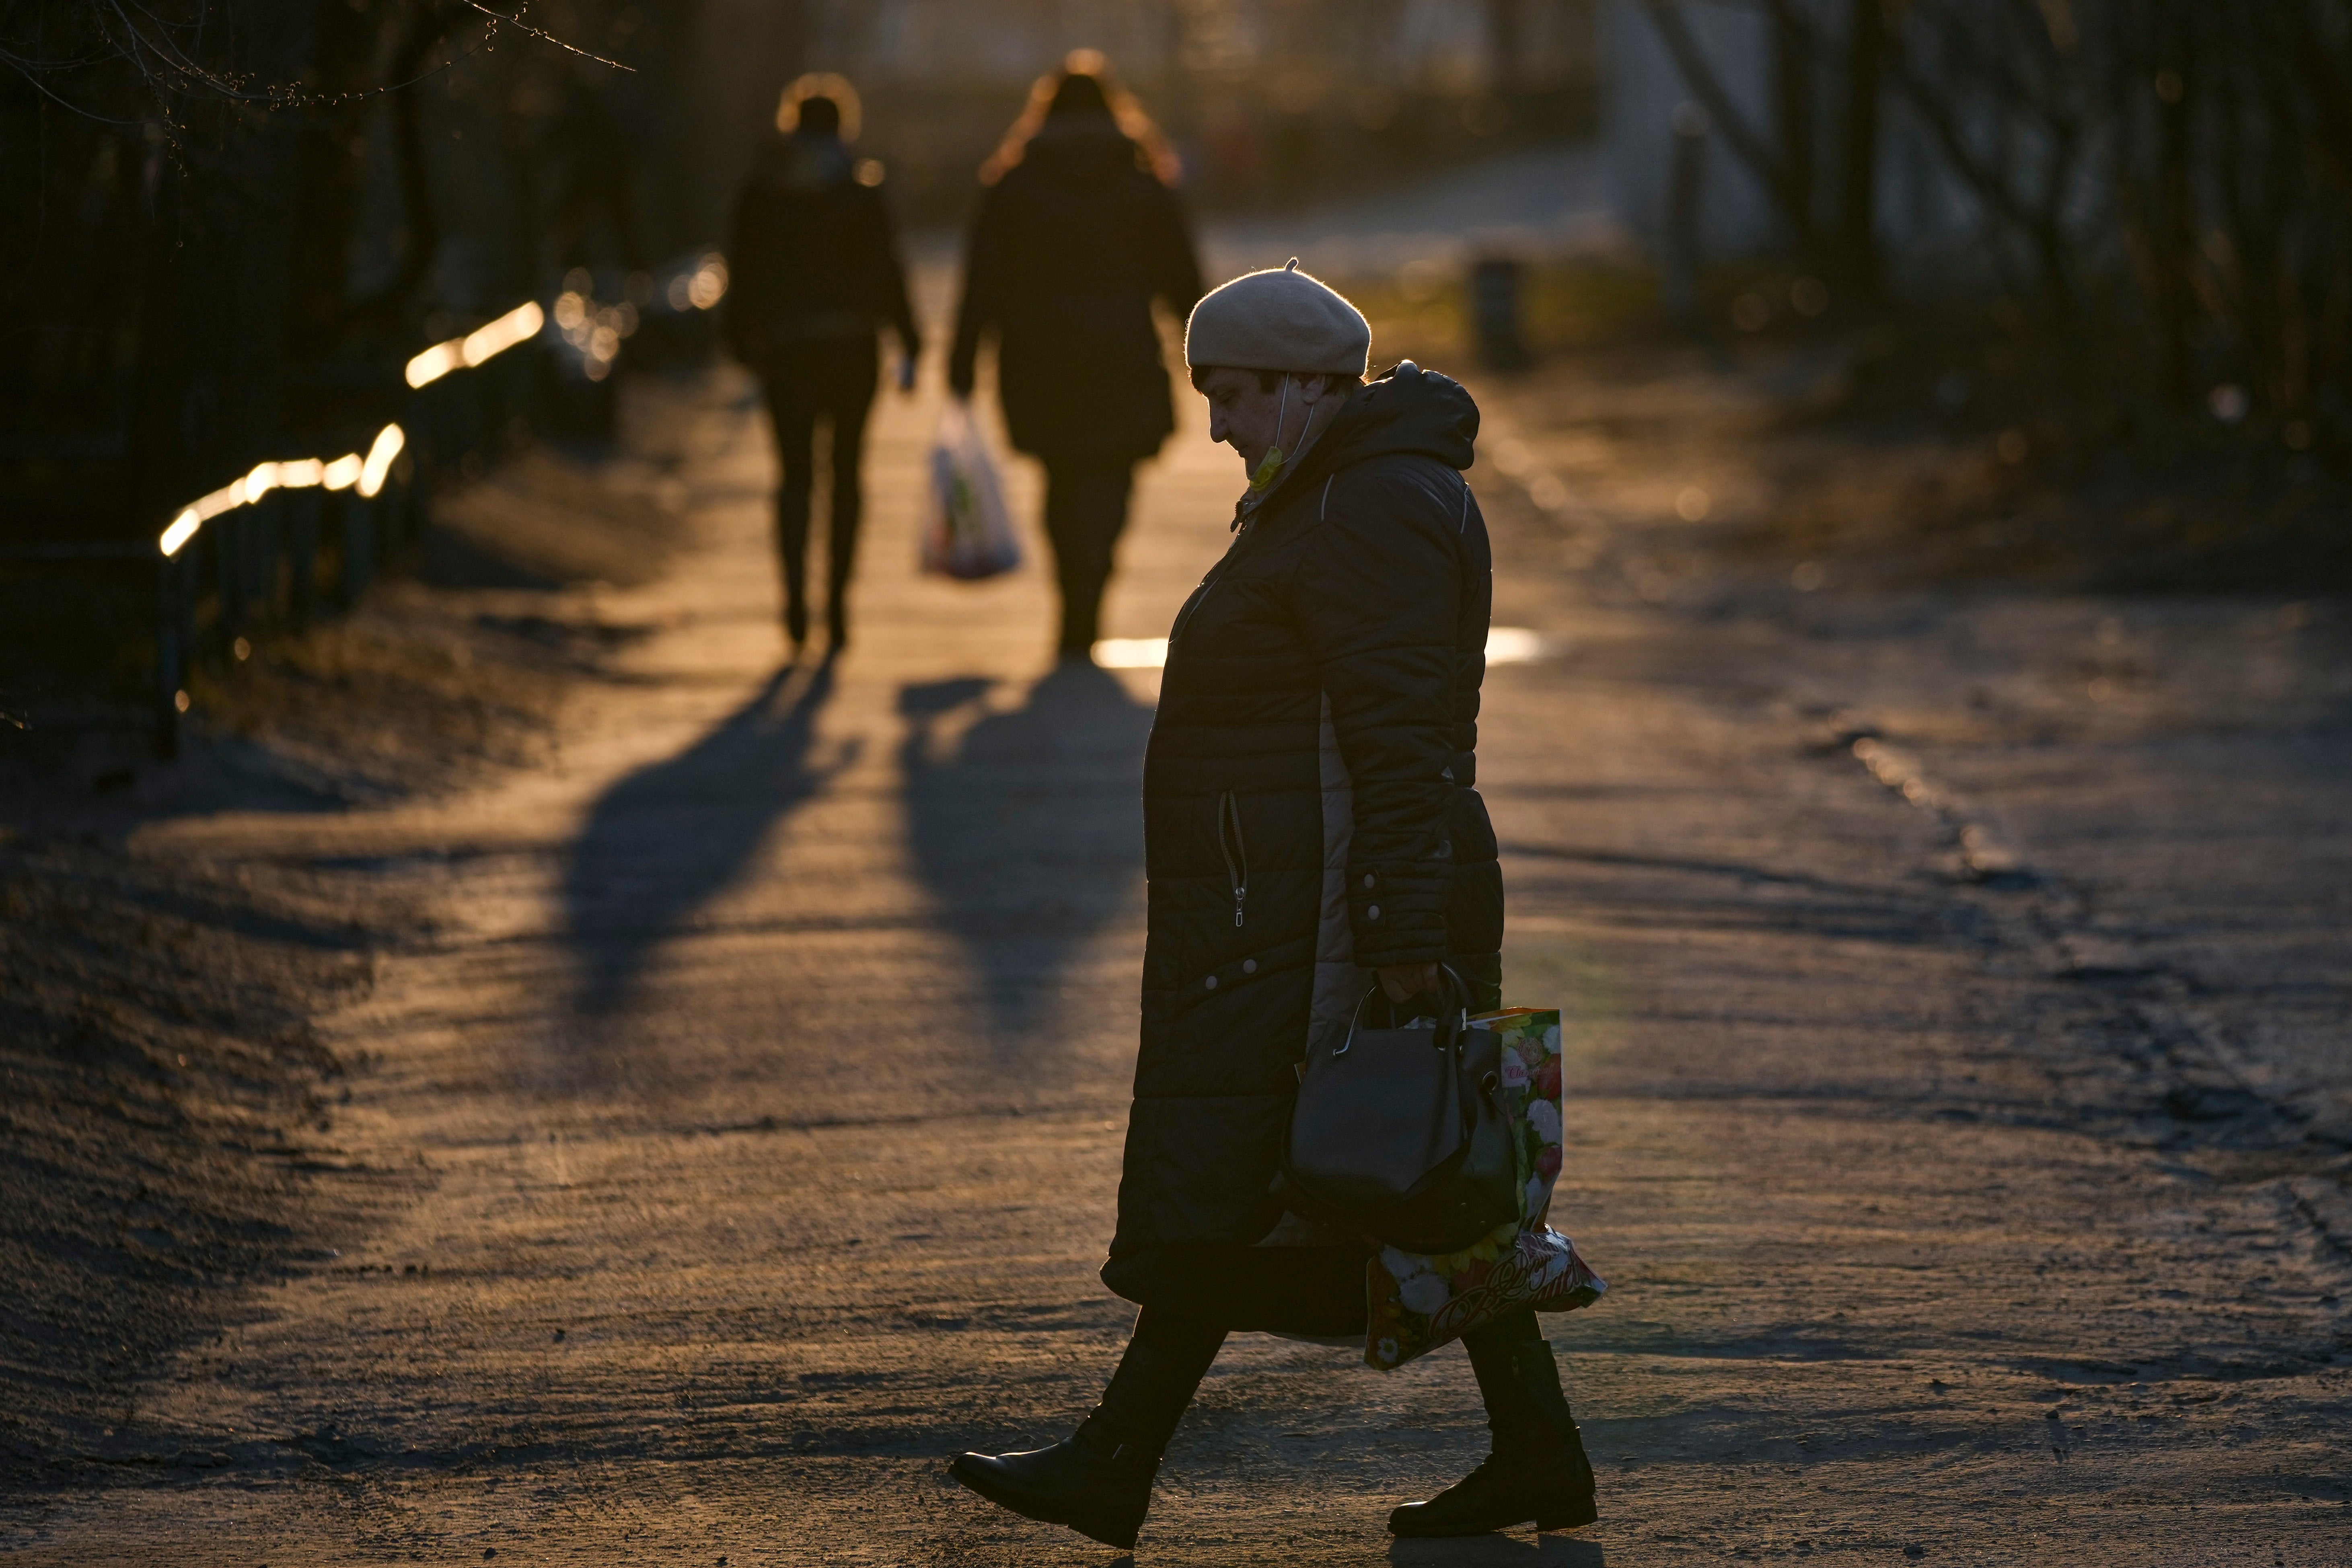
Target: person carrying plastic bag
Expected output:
[1079,234]
[966,532]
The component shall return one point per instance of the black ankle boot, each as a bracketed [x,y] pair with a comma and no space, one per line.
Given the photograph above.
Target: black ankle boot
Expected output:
[1098,1481]
[1553,1489]
[1098,1488]
[1537,1468]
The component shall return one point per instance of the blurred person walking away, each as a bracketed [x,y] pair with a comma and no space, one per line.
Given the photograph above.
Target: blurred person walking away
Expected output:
[1312,827]
[1078,234]
[815,272]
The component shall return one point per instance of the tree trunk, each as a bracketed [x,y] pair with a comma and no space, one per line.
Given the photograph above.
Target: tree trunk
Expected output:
[1772,167]
[1504,49]
[1858,204]
[1792,107]
[420,218]
[329,168]
[2175,219]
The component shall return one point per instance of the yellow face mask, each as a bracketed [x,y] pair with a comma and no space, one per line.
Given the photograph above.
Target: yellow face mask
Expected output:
[1271,464]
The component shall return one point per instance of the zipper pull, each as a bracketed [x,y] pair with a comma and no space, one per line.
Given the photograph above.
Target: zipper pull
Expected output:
[1239,894]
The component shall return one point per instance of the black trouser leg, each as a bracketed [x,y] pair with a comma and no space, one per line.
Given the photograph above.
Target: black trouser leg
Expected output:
[1086,510]
[848,508]
[1165,1360]
[796,454]
[1538,1469]
[805,381]
[1518,1378]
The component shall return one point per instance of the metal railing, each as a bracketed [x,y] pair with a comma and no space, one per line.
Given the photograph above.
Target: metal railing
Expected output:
[292,539]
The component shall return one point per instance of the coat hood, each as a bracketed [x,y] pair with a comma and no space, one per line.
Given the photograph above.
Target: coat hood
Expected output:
[1408,411]
[805,161]
[1081,148]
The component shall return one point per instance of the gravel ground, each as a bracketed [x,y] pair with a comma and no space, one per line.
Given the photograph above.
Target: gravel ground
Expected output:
[166,1088]
[162,1085]
[1960,1113]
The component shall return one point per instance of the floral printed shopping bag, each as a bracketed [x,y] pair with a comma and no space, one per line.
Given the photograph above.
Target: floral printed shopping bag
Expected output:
[1419,1302]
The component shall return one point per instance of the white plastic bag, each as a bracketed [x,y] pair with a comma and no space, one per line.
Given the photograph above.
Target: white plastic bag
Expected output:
[966,532]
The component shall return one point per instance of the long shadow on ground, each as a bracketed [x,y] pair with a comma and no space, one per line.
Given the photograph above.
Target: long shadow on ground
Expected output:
[1028,827]
[666,839]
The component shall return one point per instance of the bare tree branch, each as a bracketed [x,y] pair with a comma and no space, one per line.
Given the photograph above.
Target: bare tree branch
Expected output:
[517,22]
[1768,168]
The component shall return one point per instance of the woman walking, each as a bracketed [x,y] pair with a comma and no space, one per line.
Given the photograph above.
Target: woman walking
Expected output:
[815,272]
[1311,826]
[1078,234]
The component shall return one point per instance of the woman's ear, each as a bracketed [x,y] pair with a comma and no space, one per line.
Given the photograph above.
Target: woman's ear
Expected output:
[1310,389]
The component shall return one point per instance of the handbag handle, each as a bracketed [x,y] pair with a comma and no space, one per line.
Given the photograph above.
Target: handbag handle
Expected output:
[1448,1030]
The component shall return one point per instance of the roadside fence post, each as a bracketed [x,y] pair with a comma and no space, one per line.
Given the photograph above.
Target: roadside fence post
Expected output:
[171,652]
[226,598]
[1496,283]
[302,553]
[265,561]
[359,546]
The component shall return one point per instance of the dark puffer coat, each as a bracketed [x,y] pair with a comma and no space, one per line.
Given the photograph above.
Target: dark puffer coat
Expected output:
[813,257]
[1308,804]
[1068,252]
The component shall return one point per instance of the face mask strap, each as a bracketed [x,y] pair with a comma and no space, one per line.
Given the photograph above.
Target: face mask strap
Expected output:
[1271,464]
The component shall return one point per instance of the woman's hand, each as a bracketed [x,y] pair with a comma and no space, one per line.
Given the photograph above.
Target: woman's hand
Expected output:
[1403,981]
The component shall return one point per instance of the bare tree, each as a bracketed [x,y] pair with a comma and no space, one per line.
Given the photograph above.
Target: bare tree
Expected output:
[2175,178]
[183,188]
[2001,89]
[1785,157]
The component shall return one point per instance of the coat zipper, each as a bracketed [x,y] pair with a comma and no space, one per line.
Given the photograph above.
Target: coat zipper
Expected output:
[1208,584]
[1200,593]
[1229,815]
[1225,561]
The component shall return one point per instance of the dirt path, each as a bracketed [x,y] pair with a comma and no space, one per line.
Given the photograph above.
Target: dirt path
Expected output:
[750,1107]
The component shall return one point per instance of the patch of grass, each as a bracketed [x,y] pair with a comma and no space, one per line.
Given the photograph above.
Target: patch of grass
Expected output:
[1968,445]
[1962,441]
[1423,314]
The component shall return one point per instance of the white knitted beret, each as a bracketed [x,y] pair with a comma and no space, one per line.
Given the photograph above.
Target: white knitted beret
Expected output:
[1278,319]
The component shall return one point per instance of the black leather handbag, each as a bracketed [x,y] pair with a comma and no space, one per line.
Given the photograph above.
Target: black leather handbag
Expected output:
[1400,1132]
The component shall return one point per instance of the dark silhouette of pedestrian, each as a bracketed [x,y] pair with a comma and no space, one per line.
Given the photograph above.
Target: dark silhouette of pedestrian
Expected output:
[1078,234]
[815,272]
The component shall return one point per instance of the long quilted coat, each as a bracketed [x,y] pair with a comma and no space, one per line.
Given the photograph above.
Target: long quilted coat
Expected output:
[1069,250]
[1308,799]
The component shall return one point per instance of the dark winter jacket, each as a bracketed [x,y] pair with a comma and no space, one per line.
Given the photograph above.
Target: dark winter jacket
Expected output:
[1070,248]
[813,258]
[1307,800]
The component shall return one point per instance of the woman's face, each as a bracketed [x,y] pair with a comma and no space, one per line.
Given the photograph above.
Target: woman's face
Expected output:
[1245,416]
